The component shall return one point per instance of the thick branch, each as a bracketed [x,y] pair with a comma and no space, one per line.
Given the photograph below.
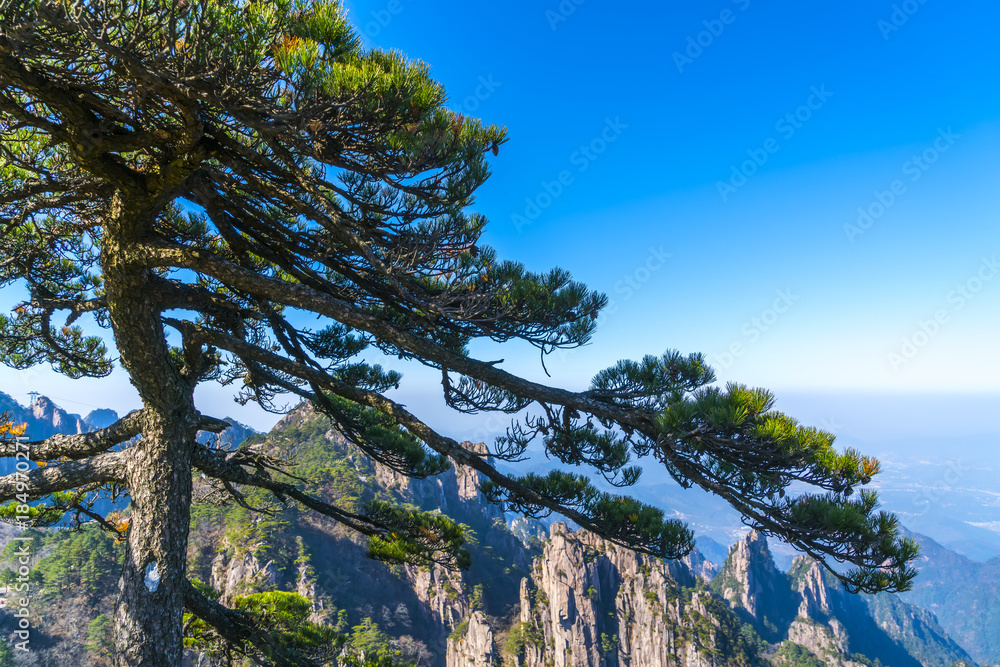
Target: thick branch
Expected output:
[437,442]
[78,446]
[750,508]
[82,445]
[75,306]
[238,629]
[40,482]
[300,296]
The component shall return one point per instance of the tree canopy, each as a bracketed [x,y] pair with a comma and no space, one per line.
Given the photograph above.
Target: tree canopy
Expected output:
[194,176]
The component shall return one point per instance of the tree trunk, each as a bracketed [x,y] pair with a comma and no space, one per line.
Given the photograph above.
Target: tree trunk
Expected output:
[148,616]
[150,606]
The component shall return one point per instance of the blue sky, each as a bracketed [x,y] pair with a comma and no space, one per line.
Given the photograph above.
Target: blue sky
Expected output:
[705,165]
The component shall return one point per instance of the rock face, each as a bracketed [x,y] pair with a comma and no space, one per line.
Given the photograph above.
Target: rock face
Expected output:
[443,592]
[700,566]
[751,583]
[589,603]
[822,641]
[812,589]
[49,419]
[474,648]
[240,575]
[808,607]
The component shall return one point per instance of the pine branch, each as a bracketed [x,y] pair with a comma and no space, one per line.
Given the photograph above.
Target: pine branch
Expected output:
[40,482]
[442,541]
[240,630]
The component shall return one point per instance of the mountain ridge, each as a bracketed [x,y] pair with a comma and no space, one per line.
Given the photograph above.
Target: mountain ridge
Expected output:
[534,598]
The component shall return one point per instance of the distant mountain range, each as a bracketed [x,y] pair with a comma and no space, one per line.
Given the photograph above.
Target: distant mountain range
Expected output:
[808,607]
[44,418]
[544,595]
[964,594]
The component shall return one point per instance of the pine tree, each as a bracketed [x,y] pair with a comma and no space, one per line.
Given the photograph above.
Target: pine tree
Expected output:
[194,176]
[98,642]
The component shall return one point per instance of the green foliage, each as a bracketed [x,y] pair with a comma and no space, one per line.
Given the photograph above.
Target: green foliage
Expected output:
[795,655]
[476,599]
[710,429]
[99,637]
[6,655]
[380,436]
[205,589]
[518,637]
[751,638]
[619,518]
[460,631]
[411,536]
[246,528]
[284,616]
[321,457]
[644,383]
[86,561]
[720,630]
[48,512]
[609,644]
[369,639]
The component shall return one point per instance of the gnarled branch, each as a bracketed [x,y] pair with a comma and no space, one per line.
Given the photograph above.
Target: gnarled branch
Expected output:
[40,482]
[81,445]
[238,629]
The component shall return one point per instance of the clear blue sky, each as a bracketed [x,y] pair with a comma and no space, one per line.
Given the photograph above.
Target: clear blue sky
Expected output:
[705,164]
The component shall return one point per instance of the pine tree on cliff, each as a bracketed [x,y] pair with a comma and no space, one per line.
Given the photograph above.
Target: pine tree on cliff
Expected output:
[194,176]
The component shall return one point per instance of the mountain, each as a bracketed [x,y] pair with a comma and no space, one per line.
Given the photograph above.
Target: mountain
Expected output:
[590,603]
[964,595]
[809,609]
[101,418]
[231,438]
[44,418]
[756,589]
[536,595]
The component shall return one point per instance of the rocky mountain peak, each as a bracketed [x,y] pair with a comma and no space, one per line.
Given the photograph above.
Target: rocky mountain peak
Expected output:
[50,419]
[591,603]
[812,587]
[475,648]
[748,579]
[44,418]
[101,418]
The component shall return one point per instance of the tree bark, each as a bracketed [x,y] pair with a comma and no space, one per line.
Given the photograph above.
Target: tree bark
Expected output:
[150,605]
[148,616]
